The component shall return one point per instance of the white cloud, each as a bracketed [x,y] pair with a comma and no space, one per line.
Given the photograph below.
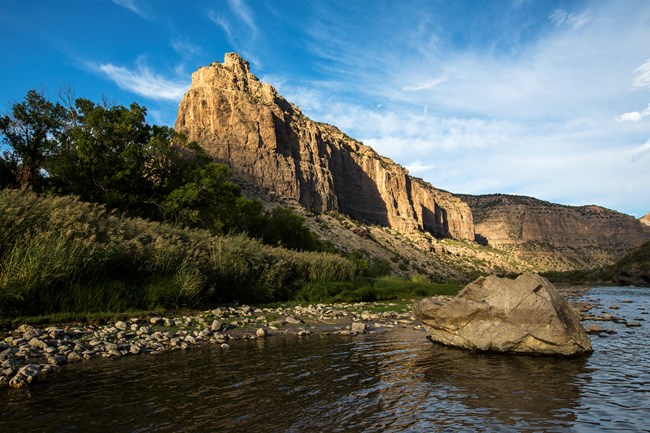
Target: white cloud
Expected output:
[424,85]
[634,116]
[238,39]
[242,11]
[132,6]
[223,23]
[417,167]
[642,78]
[561,18]
[640,151]
[144,82]
[185,49]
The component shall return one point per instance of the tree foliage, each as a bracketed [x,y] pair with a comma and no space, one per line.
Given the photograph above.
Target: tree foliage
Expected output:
[31,131]
[111,155]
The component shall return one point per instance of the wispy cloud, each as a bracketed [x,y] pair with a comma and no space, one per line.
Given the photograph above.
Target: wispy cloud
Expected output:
[425,85]
[642,77]
[640,151]
[133,6]
[185,49]
[220,21]
[143,81]
[527,123]
[238,40]
[241,10]
[561,18]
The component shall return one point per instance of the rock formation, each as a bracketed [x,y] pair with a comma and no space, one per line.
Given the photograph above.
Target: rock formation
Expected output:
[553,236]
[645,219]
[269,142]
[525,315]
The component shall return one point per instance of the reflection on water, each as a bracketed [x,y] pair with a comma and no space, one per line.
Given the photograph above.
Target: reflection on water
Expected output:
[396,381]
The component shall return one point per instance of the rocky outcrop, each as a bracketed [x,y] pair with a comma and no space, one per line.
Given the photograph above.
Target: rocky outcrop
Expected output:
[525,315]
[268,141]
[645,219]
[553,236]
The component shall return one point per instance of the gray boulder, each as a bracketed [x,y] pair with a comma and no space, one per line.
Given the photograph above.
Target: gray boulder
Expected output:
[525,315]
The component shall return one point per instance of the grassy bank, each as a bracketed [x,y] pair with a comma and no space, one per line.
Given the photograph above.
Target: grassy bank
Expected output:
[60,255]
[372,289]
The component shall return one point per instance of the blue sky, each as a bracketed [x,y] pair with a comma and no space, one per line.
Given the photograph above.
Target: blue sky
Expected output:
[543,98]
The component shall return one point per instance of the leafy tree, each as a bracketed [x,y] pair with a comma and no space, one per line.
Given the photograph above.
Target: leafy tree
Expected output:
[110,155]
[31,131]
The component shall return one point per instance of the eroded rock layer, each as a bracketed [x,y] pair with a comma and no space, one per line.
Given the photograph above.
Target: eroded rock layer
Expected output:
[268,141]
[553,236]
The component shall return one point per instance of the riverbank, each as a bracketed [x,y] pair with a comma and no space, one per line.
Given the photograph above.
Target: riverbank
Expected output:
[29,354]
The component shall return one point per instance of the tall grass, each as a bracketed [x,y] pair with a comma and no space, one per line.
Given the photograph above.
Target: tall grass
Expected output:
[58,254]
[373,289]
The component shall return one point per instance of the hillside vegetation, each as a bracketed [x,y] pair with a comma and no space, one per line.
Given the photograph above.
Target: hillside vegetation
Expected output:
[632,269]
[58,254]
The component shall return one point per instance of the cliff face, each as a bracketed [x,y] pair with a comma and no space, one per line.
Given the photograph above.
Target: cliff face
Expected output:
[267,141]
[555,236]
[645,219]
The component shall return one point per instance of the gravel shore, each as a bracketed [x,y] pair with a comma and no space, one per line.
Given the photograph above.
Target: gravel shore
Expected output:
[28,354]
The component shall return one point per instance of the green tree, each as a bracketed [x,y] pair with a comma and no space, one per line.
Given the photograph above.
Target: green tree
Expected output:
[31,131]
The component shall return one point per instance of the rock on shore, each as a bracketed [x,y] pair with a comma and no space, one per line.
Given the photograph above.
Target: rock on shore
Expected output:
[525,315]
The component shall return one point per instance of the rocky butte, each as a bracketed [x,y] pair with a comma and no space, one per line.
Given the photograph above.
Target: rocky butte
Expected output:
[271,145]
[269,142]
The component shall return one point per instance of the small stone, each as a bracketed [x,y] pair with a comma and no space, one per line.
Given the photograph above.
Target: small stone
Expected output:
[594,328]
[56,359]
[156,321]
[632,324]
[122,326]
[260,333]
[135,349]
[38,343]
[358,327]
[25,328]
[216,326]
[25,376]
[110,346]
[169,322]
[614,307]
[225,346]
[292,320]
[74,357]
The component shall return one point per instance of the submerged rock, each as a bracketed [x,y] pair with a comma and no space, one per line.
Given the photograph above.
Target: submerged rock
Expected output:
[525,315]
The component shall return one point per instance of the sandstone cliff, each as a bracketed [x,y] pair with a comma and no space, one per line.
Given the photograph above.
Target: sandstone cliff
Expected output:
[269,142]
[552,236]
[645,219]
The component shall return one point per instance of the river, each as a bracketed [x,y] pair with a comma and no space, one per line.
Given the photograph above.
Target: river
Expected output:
[392,381]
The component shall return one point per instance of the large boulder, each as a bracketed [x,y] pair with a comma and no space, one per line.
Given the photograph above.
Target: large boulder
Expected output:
[525,315]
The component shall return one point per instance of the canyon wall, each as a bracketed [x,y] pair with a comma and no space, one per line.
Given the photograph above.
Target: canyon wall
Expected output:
[270,143]
[555,236]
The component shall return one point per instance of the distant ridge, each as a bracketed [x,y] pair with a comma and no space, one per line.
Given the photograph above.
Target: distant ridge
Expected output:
[555,236]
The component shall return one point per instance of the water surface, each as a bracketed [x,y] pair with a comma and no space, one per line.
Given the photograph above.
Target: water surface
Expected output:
[394,381]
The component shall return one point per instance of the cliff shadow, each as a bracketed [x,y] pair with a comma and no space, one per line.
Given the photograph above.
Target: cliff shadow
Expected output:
[356,192]
[436,222]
